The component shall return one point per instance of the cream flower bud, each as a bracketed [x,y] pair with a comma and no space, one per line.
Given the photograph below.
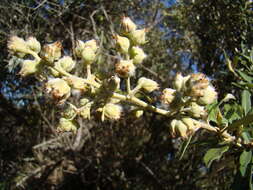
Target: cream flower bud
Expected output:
[137,113]
[66,63]
[196,110]
[209,96]
[229,97]
[196,84]
[191,124]
[80,46]
[178,128]
[77,82]
[147,84]
[88,55]
[139,36]
[178,82]
[128,24]
[59,88]
[69,112]
[29,67]
[84,111]
[51,52]
[111,111]
[92,44]
[181,129]
[125,68]
[123,43]
[33,44]
[137,55]
[17,44]
[66,125]
[168,95]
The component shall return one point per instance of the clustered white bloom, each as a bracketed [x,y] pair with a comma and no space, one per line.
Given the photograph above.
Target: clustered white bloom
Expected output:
[185,101]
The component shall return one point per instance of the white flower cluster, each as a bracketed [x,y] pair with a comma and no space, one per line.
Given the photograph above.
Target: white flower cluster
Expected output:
[185,101]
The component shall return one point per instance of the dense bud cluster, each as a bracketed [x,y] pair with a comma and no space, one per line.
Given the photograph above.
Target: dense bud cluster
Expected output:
[185,102]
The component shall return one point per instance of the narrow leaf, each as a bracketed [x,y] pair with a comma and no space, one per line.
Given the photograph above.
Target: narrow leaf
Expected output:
[245,76]
[246,101]
[214,154]
[245,159]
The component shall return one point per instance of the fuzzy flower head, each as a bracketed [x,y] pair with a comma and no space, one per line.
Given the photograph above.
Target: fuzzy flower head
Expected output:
[128,24]
[148,84]
[111,111]
[51,52]
[168,95]
[137,55]
[125,68]
[80,46]
[178,128]
[84,111]
[209,96]
[29,67]
[66,125]
[139,36]
[122,42]
[196,85]
[77,83]
[58,88]
[196,110]
[33,44]
[88,55]
[17,45]
[66,63]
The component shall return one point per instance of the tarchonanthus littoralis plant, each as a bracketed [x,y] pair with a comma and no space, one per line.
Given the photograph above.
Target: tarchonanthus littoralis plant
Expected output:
[183,105]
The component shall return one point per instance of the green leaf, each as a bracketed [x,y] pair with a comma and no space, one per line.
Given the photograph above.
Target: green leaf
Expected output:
[246,101]
[245,159]
[213,110]
[232,112]
[214,154]
[245,76]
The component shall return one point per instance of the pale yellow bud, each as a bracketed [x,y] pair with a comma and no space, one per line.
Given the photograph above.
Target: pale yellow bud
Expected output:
[181,129]
[92,44]
[147,84]
[51,52]
[84,111]
[139,36]
[137,55]
[209,96]
[229,97]
[112,111]
[168,95]
[77,82]
[16,44]
[128,24]
[59,88]
[33,44]
[179,82]
[191,124]
[137,113]
[29,67]
[69,112]
[173,127]
[66,125]
[88,55]
[80,46]
[178,128]
[125,68]
[123,43]
[196,110]
[66,63]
